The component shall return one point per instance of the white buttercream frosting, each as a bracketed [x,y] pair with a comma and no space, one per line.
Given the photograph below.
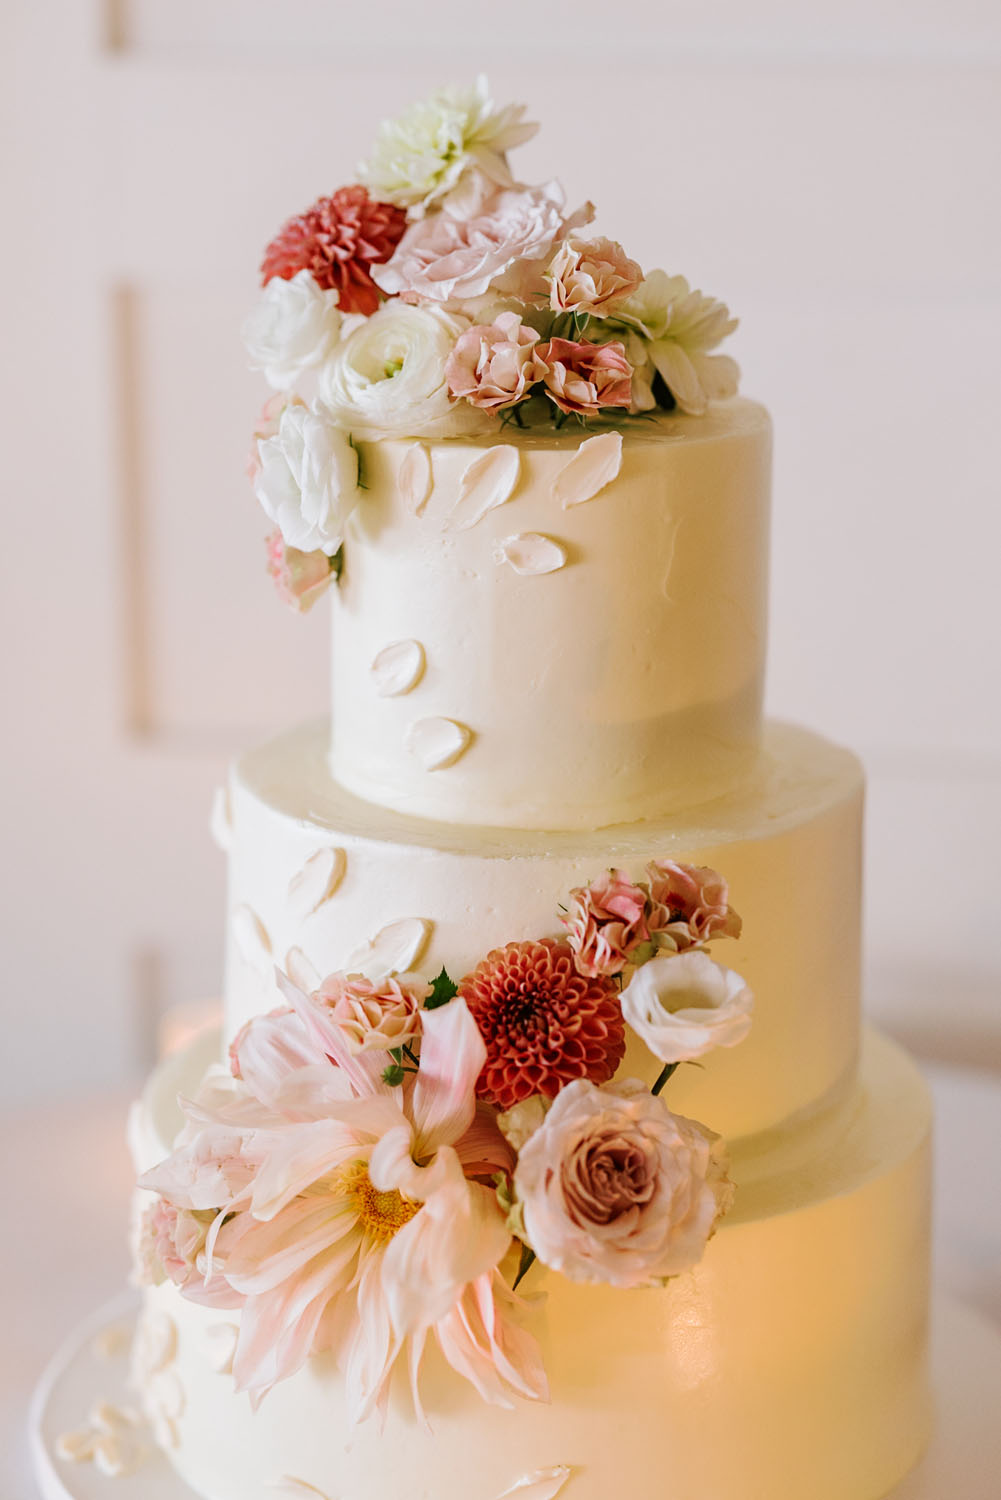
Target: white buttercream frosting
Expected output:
[628,686]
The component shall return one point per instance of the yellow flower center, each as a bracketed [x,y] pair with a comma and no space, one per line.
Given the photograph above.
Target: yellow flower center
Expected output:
[380,1214]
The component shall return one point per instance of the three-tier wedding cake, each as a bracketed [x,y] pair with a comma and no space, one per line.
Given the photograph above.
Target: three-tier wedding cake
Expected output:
[501,1180]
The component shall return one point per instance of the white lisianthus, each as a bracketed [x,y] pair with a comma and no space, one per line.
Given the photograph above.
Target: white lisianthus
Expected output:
[307,482]
[682,326]
[683,1004]
[387,378]
[423,154]
[293,328]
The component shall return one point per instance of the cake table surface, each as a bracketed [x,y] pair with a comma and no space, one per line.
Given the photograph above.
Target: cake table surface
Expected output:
[67,1171]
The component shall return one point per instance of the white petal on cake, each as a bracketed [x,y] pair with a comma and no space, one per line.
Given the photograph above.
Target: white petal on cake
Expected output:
[531,553]
[302,971]
[541,1484]
[219,1346]
[316,882]
[438,743]
[221,819]
[487,482]
[415,479]
[595,464]
[396,949]
[398,668]
[251,938]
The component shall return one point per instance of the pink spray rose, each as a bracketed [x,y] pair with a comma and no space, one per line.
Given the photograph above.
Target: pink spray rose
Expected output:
[374,1017]
[266,426]
[588,276]
[170,1245]
[300,577]
[613,1187]
[585,377]
[494,365]
[606,923]
[444,257]
[689,904]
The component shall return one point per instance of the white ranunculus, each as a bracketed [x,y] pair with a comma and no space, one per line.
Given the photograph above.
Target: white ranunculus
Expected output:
[683,1004]
[387,378]
[682,326]
[423,154]
[308,479]
[293,328]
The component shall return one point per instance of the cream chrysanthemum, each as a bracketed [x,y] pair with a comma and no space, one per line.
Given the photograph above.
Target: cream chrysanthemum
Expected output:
[420,156]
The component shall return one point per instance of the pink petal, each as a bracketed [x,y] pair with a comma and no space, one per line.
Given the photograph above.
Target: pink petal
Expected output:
[276,1250]
[458,1235]
[452,1058]
[270,1048]
[301,1156]
[364,1069]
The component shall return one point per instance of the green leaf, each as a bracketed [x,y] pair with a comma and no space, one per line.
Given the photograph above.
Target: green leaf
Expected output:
[393,1075]
[442,991]
[337,563]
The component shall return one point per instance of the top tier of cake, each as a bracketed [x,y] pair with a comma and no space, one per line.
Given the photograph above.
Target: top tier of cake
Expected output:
[547,630]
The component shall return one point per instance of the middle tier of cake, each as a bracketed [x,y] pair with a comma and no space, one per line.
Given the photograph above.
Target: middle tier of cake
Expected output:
[320,881]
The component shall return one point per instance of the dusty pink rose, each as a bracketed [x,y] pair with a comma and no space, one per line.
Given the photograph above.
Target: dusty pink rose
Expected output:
[299,577]
[374,1017]
[589,276]
[606,922]
[170,1245]
[493,365]
[443,257]
[613,1187]
[583,377]
[689,904]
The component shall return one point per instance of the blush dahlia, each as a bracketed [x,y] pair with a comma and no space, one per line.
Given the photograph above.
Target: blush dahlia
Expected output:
[544,1023]
[338,240]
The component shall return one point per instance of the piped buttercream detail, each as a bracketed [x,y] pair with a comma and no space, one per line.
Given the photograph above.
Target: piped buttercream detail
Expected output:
[316,882]
[595,464]
[532,553]
[415,478]
[487,482]
[541,1484]
[398,668]
[219,1346]
[251,937]
[112,1341]
[154,1350]
[111,1439]
[438,743]
[221,819]
[395,949]
[302,971]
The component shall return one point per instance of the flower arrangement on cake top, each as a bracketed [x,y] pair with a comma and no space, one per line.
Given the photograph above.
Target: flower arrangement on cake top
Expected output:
[386,1156]
[440,297]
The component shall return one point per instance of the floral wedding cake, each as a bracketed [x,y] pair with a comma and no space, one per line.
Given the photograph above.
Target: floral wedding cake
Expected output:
[543,1153]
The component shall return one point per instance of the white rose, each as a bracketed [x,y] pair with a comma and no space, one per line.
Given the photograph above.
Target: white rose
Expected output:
[682,326]
[387,378]
[308,479]
[683,1004]
[293,328]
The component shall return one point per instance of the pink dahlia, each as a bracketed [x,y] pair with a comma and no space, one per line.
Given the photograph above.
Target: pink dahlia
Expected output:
[543,1022]
[689,904]
[339,240]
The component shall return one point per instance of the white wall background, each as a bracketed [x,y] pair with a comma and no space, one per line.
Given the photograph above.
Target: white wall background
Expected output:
[833,171]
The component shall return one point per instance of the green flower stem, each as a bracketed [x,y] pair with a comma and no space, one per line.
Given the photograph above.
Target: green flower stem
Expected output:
[663,1077]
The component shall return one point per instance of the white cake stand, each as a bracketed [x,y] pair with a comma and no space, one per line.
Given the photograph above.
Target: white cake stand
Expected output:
[963,1462]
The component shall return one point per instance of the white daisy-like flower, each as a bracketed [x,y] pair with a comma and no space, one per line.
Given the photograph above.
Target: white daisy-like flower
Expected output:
[681,327]
[422,155]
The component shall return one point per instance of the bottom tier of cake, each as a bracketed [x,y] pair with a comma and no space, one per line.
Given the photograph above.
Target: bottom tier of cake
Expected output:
[790,1363]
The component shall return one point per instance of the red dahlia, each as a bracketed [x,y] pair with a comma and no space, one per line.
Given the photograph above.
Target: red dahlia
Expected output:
[338,239]
[544,1024]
